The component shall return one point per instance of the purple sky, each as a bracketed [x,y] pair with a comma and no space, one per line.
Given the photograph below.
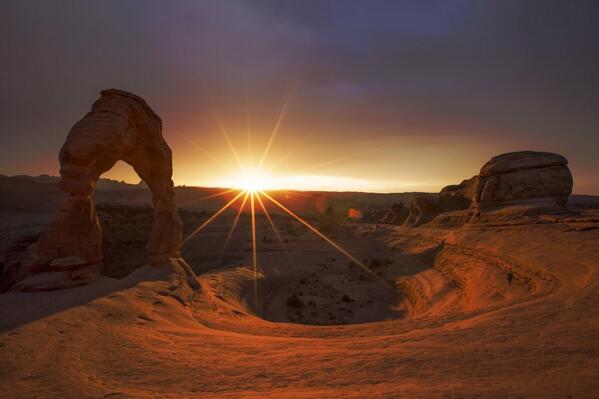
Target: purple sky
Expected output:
[400,95]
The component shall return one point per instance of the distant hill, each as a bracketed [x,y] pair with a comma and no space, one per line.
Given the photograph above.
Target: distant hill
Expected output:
[39,178]
[102,184]
[21,194]
[40,194]
[584,201]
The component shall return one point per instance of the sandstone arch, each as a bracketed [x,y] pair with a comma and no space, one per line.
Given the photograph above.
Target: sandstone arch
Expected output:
[119,126]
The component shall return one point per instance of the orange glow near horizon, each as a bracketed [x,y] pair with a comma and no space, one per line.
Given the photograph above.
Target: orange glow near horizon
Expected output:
[249,182]
[300,161]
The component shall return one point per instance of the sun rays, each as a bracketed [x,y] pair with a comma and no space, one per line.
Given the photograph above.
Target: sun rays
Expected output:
[251,187]
[254,254]
[212,218]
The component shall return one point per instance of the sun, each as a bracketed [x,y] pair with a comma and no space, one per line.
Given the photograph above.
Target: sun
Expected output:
[251,183]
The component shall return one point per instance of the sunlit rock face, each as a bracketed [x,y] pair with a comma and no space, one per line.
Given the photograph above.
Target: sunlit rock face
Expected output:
[538,180]
[524,175]
[120,126]
[512,178]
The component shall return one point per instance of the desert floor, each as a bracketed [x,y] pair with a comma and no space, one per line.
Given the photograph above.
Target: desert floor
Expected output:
[506,310]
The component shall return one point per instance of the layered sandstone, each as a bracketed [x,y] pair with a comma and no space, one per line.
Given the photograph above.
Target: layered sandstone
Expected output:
[524,175]
[535,179]
[120,126]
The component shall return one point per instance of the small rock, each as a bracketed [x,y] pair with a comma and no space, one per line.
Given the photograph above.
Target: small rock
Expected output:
[86,274]
[40,264]
[47,281]
[67,263]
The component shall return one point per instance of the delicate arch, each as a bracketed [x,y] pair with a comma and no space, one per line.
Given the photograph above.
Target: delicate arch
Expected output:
[120,126]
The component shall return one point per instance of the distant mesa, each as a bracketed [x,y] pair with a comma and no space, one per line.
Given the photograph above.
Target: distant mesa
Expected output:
[534,181]
[120,126]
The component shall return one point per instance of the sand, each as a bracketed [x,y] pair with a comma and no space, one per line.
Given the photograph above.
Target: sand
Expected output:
[443,321]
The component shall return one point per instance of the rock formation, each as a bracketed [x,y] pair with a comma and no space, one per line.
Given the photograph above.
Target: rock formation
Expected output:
[459,196]
[422,210]
[538,179]
[397,214]
[521,176]
[120,126]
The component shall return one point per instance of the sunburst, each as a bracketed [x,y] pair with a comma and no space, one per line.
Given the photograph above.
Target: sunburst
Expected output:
[252,186]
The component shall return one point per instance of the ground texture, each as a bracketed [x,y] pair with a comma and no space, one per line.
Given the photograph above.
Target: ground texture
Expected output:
[507,310]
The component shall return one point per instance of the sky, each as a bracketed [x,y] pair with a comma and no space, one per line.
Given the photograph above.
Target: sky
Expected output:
[383,96]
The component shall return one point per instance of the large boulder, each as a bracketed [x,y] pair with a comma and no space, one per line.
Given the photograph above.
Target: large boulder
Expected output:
[540,181]
[521,160]
[524,175]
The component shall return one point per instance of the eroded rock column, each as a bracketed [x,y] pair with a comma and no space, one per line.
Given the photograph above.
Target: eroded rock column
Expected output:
[74,232]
